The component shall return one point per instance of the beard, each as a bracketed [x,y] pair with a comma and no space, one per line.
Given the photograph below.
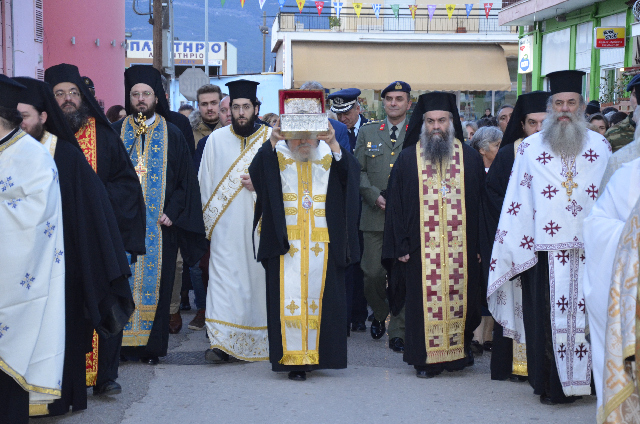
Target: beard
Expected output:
[246,129]
[78,117]
[147,110]
[37,131]
[564,137]
[304,151]
[437,145]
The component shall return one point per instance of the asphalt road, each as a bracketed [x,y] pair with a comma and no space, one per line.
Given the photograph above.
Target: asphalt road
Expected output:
[377,387]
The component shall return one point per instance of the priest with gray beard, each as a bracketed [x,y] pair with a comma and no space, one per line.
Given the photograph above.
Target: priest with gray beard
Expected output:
[430,247]
[553,186]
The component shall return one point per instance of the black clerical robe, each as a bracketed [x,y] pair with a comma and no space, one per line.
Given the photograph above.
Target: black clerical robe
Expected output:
[183,207]
[496,183]
[97,293]
[341,214]
[402,236]
[123,187]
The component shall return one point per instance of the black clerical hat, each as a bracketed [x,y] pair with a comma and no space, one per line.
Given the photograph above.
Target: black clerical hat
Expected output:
[436,100]
[40,95]
[10,92]
[565,81]
[243,89]
[65,72]
[145,74]
[527,103]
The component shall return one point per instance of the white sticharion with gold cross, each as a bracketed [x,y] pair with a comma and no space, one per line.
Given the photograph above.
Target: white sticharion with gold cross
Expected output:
[303,269]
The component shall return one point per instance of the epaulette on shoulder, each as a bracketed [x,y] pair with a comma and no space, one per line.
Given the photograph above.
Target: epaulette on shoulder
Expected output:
[371,122]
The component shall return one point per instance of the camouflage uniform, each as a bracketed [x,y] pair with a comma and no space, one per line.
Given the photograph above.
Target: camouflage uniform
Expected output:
[621,134]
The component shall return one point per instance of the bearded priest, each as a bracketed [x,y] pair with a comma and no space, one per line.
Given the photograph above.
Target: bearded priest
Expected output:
[307,197]
[430,246]
[553,185]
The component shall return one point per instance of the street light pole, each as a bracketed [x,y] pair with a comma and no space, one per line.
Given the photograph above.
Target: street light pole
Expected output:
[206,37]
[264,29]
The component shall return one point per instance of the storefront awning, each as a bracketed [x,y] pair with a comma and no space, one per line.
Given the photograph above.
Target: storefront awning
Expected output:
[446,67]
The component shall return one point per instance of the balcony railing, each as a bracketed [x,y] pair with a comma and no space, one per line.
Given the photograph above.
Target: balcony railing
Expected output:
[506,3]
[440,23]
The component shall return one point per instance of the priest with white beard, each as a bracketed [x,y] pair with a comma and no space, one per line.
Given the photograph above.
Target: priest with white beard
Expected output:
[602,234]
[236,313]
[553,186]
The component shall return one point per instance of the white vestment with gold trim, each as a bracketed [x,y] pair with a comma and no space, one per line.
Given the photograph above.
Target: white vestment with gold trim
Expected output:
[32,304]
[236,314]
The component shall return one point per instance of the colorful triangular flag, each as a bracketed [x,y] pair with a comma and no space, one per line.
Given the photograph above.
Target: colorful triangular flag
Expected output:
[300,4]
[450,9]
[319,6]
[338,6]
[357,7]
[413,9]
[223,1]
[396,9]
[431,8]
[487,9]
[281,3]
[242,3]
[262,2]
[376,9]
[469,7]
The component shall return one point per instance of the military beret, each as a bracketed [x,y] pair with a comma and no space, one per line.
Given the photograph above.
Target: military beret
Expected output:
[397,86]
[344,100]
[634,81]
[88,82]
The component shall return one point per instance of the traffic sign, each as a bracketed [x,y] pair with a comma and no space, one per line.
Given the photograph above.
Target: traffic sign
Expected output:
[190,81]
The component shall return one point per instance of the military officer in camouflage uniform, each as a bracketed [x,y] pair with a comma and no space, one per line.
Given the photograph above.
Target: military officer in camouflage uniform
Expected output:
[621,134]
[378,146]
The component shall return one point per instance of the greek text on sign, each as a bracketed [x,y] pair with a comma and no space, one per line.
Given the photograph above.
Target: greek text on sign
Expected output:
[610,37]
[185,50]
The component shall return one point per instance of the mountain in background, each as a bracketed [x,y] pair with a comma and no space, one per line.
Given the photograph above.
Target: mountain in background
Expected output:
[231,22]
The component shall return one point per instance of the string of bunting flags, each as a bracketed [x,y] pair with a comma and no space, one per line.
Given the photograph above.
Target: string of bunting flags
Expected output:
[357,7]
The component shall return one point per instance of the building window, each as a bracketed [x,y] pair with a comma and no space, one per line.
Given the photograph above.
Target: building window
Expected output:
[555,51]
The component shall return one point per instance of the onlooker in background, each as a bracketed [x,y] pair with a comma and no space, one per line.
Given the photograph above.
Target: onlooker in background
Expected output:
[623,133]
[116,113]
[617,118]
[598,123]
[608,110]
[209,97]
[185,109]
[487,142]
[487,113]
[470,127]
[487,122]
[270,119]
[504,114]
[592,107]
[225,111]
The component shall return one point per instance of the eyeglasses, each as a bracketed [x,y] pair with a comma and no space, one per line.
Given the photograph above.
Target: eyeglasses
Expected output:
[143,94]
[62,94]
[246,107]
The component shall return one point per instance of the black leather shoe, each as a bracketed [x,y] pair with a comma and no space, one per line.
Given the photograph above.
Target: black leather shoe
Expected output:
[297,375]
[487,346]
[371,318]
[359,327]
[548,400]
[518,378]
[377,329]
[426,374]
[123,358]
[476,348]
[107,388]
[150,360]
[396,344]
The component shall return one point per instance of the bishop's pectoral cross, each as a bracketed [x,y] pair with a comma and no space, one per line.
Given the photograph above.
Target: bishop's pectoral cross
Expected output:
[140,168]
[444,189]
[569,185]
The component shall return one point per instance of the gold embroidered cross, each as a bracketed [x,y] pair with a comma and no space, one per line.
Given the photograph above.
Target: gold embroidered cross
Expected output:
[154,177]
[325,162]
[316,249]
[432,243]
[142,125]
[455,243]
[283,162]
[155,149]
[292,307]
[152,207]
[569,185]
[292,251]
[313,306]
[140,168]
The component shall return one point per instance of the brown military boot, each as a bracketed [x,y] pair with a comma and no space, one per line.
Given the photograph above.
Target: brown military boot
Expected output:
[175,323]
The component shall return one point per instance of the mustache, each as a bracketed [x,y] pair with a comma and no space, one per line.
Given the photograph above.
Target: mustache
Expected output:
[69,103]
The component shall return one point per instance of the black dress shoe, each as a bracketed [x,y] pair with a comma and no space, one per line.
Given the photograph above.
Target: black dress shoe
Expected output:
[107,388]
[487,346]
[150,360]
[123,358]
[426,374]
[396,344]
[377,329]
[476,348]
[297,375]
[360,327]
[518,378]
[548,400]
[370,318]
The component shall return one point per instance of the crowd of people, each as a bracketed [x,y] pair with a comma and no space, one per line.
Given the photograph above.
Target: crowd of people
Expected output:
[520,239]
